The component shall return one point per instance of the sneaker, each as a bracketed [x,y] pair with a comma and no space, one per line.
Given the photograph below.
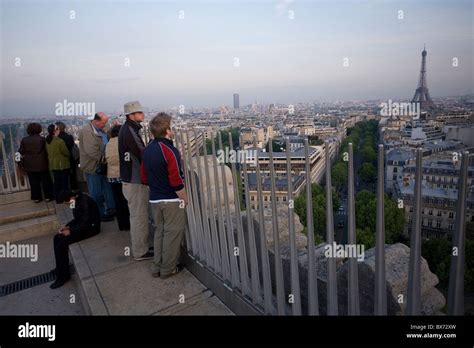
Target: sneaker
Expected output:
[147,256]
[155,274]
[179,267]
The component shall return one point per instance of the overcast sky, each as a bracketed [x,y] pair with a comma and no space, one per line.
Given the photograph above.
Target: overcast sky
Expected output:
[190,61]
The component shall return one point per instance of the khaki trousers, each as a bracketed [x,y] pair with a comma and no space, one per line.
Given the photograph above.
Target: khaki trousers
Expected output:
[170,221]
[137,196]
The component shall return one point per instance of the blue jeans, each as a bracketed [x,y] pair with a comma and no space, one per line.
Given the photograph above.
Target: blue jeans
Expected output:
[101,191]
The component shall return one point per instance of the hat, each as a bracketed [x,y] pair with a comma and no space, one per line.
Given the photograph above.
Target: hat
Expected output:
[133,106]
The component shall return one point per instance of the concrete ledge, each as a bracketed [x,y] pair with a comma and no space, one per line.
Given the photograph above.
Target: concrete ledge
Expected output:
[14,197]
[236,302]
[26,229]
[20,211]
[90,296]
[205,303]
[113,284]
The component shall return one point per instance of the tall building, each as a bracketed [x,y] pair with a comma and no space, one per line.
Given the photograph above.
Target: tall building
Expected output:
[236,101]
[440,193]
[422,94]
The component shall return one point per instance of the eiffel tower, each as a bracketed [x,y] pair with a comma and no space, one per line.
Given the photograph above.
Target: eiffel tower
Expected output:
[422,94]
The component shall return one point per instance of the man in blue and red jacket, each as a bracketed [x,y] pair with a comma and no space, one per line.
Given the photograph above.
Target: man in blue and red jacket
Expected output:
[161,171]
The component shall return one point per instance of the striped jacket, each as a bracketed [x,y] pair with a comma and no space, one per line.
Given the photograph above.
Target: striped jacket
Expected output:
[161,169]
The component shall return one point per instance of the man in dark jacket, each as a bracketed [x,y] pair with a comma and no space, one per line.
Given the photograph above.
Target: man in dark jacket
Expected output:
[69,140]
[131,147]
[86,223]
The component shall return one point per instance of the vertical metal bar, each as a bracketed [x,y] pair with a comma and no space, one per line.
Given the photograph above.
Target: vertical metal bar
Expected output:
[267,282]
[353,278]
[295,276]
[205,219]
[380,307]
[244,275]
[332,305]
[456,273]
[280,287]
[414,270]
[190,235]
[6,170]
[221,229]
[234,270]
[313,303]
[254,277]
[216,254]
[197,209]
[14,168]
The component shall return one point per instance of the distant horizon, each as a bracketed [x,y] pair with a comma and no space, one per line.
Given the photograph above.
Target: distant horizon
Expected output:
[149,109]
[199,54]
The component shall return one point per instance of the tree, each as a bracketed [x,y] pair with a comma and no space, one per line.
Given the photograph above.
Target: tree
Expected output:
[319,208]
[365,237]
[367,172]
[368,153]
[339,175]
[437,253]
[235,132]
[366,216]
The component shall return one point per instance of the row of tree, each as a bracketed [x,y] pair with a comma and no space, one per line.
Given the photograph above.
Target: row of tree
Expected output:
[364,137]
[365,205]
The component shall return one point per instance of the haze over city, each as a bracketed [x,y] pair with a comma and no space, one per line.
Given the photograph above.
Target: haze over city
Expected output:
[185,53]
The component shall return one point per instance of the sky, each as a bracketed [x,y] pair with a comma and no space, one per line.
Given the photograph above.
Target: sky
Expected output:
[111,52]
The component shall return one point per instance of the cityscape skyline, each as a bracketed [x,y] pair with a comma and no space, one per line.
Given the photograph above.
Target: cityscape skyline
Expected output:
[282,57]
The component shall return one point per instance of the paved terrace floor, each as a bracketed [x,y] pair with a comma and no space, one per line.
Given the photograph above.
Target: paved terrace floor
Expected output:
[106,282]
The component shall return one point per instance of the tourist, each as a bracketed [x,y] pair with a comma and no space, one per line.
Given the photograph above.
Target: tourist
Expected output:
[92,141]
[131,146]
[58,159]
[161,170]
[34,161]
[73,150]
[113,176]
[86,223]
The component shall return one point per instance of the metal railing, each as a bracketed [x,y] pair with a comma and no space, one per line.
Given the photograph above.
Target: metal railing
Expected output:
[12,179]
[224,250]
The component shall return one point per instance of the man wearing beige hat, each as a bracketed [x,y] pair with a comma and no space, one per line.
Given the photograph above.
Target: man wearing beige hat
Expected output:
[131,147]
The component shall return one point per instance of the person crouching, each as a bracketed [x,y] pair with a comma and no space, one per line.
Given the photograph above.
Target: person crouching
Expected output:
[86,223]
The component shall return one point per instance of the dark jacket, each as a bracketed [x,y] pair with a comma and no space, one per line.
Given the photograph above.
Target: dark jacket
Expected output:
[161,169]
[72,147]
[86,217]
[131,147]
[33,152]
[68,140]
